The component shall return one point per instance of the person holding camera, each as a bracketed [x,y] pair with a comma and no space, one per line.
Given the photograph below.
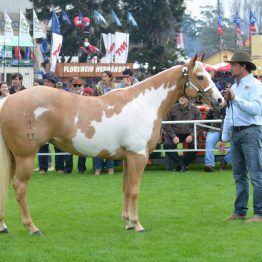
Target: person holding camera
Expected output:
[242,127]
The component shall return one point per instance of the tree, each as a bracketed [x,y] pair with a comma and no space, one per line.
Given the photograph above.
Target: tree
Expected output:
[73,37]
[153,42]
[201,34]
[243,7]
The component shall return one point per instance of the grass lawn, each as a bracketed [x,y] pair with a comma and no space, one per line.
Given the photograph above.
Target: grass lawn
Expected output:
[80,220]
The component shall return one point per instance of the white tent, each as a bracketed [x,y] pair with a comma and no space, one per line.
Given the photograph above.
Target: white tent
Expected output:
[15,41]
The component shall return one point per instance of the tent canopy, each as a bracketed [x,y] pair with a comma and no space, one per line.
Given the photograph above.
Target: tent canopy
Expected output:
[220,67]
[15,41]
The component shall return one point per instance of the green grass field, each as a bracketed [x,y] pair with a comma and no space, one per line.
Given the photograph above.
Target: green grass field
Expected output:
[80,220]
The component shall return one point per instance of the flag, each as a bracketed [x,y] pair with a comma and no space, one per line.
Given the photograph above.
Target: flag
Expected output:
[236,21]
[44,49]
[23,27]
[29,54]
[57,40]
[99,19]
[82,19]
[109,43]
[131,20]
[219,25]
[8,29]
[18,53]
[65,18]
[252,22]
[6,52]
[121,47]
[115,18]
[55,24]
[37,29]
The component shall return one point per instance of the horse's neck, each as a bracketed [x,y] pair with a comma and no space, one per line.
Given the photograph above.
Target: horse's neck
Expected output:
[160,91]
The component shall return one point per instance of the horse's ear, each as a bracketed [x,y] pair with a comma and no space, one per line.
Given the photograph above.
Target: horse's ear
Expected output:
[203,56]
[192,61]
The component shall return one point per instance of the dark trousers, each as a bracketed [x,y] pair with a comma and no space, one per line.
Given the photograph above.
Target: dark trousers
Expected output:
[180,160]
[43,160]
[81,164]
[59,159]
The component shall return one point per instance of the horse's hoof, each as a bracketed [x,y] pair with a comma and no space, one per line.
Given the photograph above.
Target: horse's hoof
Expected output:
[129,227]
[37,233]
[4,231]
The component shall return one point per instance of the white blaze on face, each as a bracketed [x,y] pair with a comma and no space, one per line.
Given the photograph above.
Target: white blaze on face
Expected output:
[214,91]
[39,111]
[131,128]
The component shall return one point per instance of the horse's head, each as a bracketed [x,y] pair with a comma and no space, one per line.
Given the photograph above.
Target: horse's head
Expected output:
[199,85]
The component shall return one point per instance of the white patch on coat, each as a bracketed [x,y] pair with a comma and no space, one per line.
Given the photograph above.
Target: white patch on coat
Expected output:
[2,101]
[39,111]
[76,120]
[131,128]
[110,107]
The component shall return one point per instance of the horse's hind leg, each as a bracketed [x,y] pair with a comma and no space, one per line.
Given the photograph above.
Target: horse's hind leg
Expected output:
[134,169]
[23,173]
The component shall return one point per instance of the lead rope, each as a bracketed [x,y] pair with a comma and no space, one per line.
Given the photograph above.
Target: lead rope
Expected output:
[187,84]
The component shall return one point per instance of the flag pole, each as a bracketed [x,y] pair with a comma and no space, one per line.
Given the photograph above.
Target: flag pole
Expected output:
[219,34]
[18,49]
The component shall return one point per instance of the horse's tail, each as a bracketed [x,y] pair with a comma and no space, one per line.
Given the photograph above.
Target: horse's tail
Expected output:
[5,170]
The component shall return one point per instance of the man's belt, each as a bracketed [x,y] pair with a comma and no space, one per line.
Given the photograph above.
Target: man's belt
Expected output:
[240,128]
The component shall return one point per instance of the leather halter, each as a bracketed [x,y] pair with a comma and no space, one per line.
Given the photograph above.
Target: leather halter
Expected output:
[201,92]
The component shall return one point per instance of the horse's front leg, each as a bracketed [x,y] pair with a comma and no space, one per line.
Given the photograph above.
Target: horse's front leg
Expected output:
[23,173]
[135,167]
[126,205]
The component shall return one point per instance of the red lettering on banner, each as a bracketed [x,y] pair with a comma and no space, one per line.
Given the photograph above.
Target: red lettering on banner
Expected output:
[57,51]
[111,48]
[121,49]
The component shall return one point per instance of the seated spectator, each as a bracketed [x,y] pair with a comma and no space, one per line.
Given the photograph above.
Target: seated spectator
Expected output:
[4,90]
[212,138]
[177,133]
[128,78]
[103,87]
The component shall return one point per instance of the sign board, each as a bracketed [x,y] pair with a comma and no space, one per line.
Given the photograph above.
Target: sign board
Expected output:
[89,69]
[256,47]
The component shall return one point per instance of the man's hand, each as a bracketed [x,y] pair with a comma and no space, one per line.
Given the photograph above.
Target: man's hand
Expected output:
[229,94]
[189,139]
[221,146]
[176,140]
[127,81]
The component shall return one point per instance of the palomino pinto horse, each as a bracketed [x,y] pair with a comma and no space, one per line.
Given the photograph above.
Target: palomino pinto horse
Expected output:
[123,124]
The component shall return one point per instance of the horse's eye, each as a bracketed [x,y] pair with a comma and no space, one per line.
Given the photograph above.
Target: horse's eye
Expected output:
[200,77]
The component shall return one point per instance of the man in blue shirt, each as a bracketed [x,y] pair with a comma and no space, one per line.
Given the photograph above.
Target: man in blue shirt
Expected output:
[242,127]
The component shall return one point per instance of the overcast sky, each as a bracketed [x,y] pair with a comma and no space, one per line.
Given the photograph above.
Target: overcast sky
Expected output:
[193,6]
[15,5]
